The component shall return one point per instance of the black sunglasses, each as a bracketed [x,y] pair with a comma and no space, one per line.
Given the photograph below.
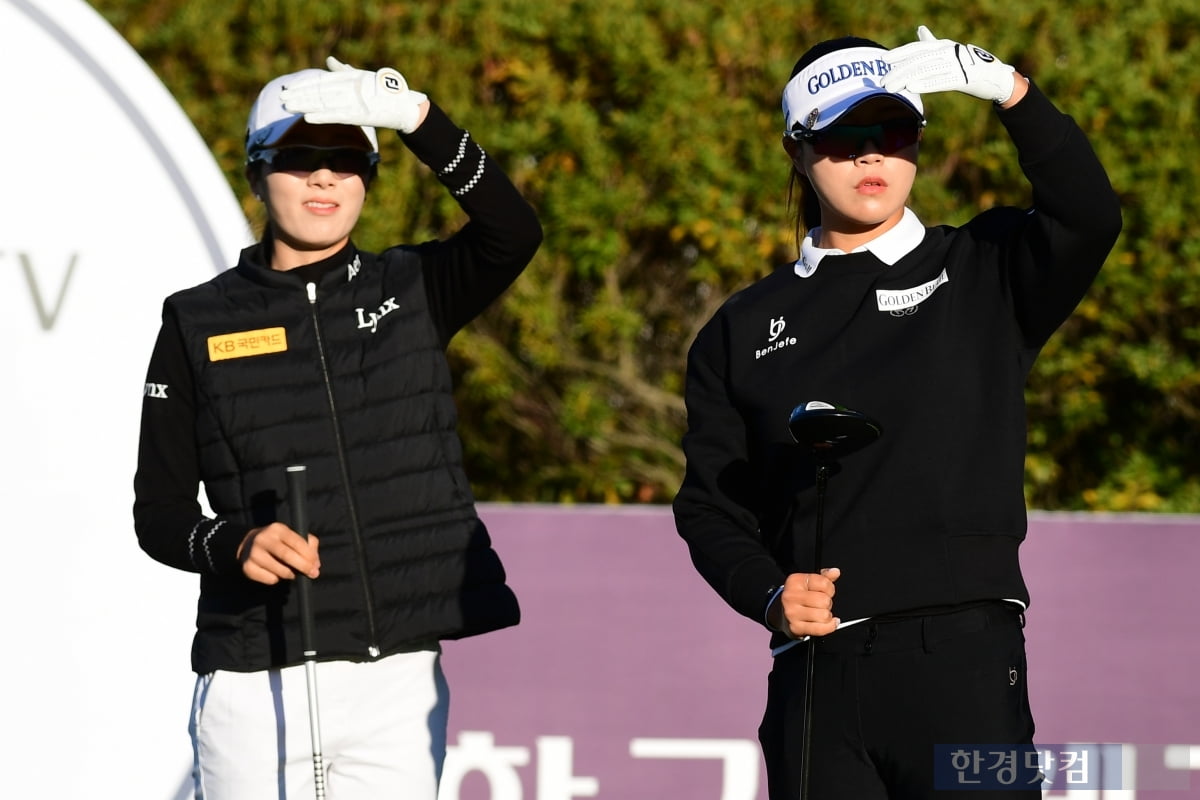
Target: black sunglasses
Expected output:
[849,141]
[345,160]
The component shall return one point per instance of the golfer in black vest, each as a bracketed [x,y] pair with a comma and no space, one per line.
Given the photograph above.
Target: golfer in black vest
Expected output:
[311,351]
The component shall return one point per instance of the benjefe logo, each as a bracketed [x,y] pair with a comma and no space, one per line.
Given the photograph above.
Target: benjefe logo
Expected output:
[778,340]
[855,69]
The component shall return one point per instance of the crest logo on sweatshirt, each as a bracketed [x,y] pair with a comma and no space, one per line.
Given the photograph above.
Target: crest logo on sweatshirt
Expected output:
[903,302]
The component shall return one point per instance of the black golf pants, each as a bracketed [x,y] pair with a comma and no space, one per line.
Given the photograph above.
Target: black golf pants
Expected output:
[893,699]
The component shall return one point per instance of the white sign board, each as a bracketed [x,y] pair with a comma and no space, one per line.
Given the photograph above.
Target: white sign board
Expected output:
[113,202]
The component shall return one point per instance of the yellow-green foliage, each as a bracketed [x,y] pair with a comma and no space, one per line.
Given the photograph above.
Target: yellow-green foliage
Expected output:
[647,134]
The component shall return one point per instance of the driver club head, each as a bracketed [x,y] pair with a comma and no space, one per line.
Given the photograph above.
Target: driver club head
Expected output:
[831,431]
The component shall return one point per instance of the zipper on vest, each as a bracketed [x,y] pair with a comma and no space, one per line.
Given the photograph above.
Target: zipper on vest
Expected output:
[355,533]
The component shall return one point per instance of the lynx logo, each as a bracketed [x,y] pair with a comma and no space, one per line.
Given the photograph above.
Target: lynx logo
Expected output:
[775,330]
[156,390]
[372,322]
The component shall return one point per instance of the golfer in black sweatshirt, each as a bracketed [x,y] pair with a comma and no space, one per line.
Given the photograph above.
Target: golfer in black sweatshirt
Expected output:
[915,614]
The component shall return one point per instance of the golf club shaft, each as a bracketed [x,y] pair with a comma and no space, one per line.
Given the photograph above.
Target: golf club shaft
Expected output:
[822,478]
[297,477]
[822,481]
[828,431]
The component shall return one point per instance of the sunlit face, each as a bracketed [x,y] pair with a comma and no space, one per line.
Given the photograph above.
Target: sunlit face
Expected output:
[312,212]
[864,194]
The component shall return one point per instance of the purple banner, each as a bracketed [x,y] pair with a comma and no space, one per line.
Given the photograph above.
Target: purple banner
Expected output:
[629,678]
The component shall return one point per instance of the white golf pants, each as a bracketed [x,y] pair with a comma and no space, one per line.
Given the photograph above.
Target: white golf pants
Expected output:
[383,731]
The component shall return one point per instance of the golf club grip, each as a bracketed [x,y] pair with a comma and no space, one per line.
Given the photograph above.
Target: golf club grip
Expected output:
[297,482]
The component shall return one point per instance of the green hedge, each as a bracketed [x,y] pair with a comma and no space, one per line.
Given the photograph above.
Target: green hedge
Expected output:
[647,135]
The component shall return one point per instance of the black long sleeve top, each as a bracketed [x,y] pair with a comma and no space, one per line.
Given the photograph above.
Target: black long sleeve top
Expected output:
[936,347]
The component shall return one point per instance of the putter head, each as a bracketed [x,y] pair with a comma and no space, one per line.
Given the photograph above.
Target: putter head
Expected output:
[831,431]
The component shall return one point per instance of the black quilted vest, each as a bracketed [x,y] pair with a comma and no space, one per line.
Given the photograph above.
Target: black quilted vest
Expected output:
[353,383]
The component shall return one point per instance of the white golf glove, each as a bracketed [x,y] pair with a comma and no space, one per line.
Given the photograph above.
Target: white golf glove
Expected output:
[943,65]
[350,96]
